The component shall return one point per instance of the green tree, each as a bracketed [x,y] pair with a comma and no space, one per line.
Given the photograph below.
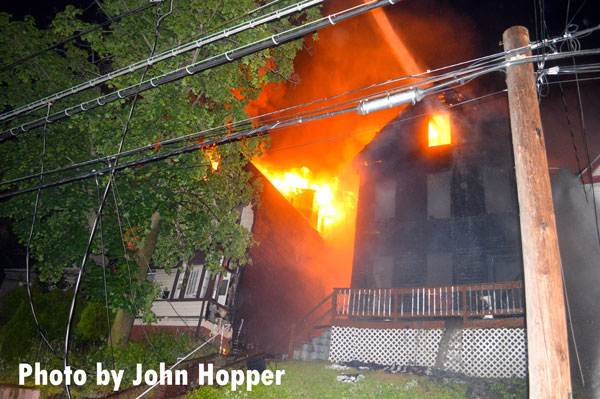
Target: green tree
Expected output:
[166,209]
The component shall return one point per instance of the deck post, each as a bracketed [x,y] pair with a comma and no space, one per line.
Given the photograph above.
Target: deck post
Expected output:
[464,304]
[292,339]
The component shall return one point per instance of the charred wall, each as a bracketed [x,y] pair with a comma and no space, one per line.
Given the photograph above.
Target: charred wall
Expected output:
[438,215]
[283,281]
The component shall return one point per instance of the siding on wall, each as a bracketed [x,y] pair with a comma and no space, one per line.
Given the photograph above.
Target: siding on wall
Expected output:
[183,308]
[164,280]
[456,214]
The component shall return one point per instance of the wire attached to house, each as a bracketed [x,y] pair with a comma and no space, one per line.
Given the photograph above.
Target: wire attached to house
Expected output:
[572,134]
[177,364]
[587,152]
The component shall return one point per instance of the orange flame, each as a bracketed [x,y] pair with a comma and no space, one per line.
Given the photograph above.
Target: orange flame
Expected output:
[213,157]
[331,203]
[439,130]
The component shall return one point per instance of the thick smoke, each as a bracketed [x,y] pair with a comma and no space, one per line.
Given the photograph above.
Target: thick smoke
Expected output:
[350,55]
[580,254]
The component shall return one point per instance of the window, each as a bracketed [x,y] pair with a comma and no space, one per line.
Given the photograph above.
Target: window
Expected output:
[499,196]
[223,288]
[383,271]
[438,195]
[385,200]
[193,281]
[205,282]
[179,282]
[439,130]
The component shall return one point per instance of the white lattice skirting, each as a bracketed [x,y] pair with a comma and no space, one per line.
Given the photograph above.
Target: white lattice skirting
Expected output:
[488,353]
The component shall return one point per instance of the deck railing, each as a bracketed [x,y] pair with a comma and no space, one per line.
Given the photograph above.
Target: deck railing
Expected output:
[357,306]
[459,300]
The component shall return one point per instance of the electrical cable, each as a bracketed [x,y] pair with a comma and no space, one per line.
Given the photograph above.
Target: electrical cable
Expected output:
[28,247]
[574,45]
[178,362]
[10,66]
[218,60]
[577,12]
[196,44]
[456,82]
[579,168]
[391,123]
[587,153]
[104,196]
[477,62]
[485,60]
[256,132]
[209,63]
[567,13]
[131,293]
[564,81]
[109,337]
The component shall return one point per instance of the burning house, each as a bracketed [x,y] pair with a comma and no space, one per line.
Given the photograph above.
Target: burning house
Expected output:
[437,202]
[437,269]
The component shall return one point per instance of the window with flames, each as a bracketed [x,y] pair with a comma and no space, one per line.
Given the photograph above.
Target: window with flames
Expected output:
[439,130]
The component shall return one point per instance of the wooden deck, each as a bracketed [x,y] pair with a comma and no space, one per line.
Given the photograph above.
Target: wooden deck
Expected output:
[487,305]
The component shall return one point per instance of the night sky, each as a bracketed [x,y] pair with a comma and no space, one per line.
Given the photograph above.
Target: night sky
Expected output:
[480,22]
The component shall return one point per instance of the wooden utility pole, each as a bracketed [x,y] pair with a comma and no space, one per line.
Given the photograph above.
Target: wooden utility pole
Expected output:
[547,345]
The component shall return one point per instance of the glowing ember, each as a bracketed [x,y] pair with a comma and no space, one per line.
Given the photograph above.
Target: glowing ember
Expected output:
[331,204]
[439,130]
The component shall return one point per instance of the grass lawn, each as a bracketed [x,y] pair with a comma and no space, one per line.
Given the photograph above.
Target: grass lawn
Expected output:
[315,380]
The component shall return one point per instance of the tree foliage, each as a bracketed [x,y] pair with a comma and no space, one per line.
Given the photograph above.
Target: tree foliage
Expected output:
[199,207]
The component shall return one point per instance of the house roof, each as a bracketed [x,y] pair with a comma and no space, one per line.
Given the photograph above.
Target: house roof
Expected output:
[396,137]
[595,168]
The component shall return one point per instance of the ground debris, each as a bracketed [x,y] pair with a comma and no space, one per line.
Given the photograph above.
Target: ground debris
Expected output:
[349,378]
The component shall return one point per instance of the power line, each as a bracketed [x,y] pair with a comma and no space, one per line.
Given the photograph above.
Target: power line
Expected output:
[109,337]
[572,134]
[392,123]
[577,12]
[196,44]
[201,66]
[115,193]
[249,49]
[479,62]
[10,66]
[98,217]
[256,132]
[573,80]
[28,248]
[458,80]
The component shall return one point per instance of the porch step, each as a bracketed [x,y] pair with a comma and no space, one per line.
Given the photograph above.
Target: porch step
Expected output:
[316,349]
